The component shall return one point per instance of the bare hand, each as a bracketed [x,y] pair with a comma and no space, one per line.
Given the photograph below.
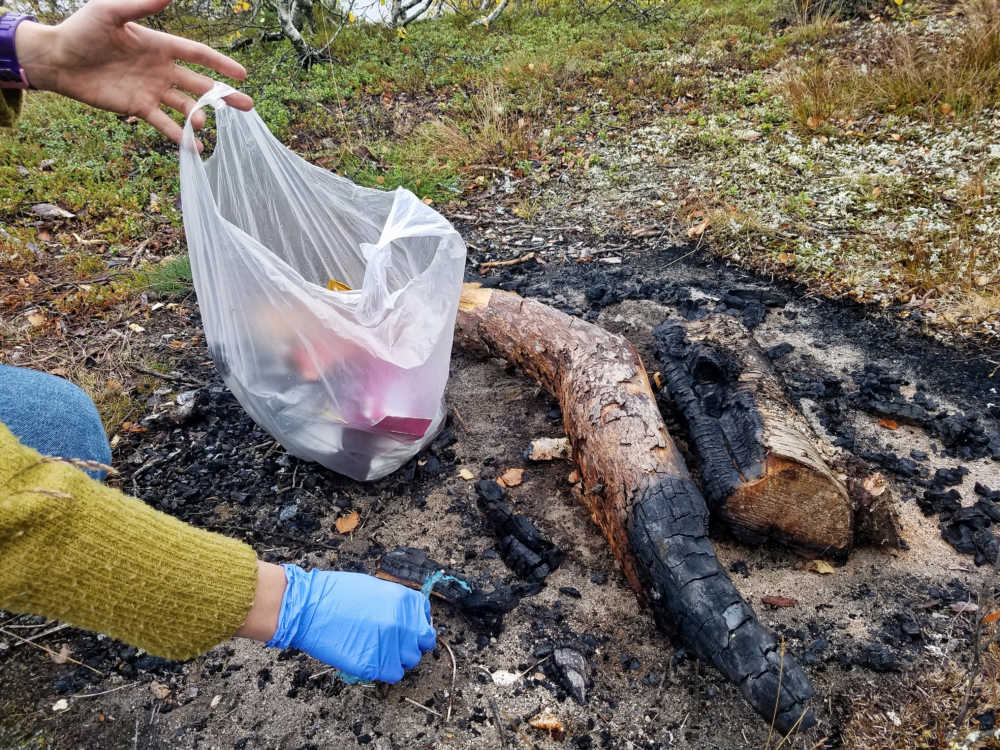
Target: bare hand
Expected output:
[99,56]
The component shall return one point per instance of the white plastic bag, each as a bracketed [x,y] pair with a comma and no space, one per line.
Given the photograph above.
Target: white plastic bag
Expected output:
[353,379]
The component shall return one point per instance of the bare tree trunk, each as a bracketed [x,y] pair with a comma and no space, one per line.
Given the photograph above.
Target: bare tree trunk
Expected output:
[494,14]
[288,13]
[639,492]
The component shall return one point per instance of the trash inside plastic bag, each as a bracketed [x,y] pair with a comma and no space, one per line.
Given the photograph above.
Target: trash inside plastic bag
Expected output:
[328,308]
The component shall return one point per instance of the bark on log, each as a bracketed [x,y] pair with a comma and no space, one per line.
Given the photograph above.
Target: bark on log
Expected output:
[639,492]
[762,472]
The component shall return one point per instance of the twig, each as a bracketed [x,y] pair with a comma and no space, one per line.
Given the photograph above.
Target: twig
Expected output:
[172,378]
[422,706]
[104,692]
[50,652]
[502,263]
[454,676]
[498,723]
[50,631]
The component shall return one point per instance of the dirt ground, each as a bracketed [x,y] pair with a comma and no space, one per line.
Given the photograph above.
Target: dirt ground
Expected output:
[850,629]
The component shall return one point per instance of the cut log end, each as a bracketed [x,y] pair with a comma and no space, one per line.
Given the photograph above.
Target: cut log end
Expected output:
[793,503]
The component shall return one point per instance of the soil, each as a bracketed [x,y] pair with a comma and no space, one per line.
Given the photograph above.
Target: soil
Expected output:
[884,617]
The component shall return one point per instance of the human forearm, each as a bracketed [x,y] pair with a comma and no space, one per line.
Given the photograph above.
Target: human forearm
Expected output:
[75,550]
[262,620]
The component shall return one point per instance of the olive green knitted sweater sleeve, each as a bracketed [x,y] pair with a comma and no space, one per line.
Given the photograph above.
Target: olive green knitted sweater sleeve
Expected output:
[10,100]
[78,551]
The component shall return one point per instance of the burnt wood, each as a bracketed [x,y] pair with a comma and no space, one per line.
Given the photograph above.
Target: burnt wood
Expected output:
[760,461]
[639,492]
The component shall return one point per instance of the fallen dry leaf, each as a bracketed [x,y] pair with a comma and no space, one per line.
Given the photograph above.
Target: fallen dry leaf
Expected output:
[466,475]
[63,656]
[698,229]
[821,567]
[813,122]
[574,477]
[658,380]
[37,319]
[546,449]
[991,617]
[31,279]
[889,424]
[347,524]
[136,328]
[512,477]
[961,607]
[779,601]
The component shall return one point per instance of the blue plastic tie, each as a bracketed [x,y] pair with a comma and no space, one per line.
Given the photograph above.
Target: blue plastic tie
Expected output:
[429,583]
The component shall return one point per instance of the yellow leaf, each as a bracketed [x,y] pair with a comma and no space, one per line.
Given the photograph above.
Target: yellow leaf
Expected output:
[401,32]
[821,567]
[136,328]
[337,286]
[467,475]
[429,201]
[347,524]
[350,18]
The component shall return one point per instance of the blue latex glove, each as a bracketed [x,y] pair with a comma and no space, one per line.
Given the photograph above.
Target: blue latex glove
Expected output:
[363,626]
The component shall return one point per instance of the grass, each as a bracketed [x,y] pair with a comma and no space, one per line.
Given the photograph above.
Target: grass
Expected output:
[938,77]
[169,278]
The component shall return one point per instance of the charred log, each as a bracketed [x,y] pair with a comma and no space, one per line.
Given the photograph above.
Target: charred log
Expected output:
[412,567]
[524,549]
[760,464]
[638,491]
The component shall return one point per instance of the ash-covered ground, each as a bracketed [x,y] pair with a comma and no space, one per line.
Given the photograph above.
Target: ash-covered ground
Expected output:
[864,633]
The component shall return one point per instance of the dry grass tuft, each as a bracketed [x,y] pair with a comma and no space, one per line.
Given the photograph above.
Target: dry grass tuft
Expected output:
[494,135]
[937,77]
[935,711]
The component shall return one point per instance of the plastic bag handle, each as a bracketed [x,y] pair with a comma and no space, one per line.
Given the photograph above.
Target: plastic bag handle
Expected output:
[215,97]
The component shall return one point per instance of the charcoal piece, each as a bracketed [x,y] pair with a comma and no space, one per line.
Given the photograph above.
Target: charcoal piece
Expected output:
[986,493]
[878,658]
[949,477]
[989,509]
[778,351]
[568,668]
[963,435]
[412,567]
[522,546]
[940,501]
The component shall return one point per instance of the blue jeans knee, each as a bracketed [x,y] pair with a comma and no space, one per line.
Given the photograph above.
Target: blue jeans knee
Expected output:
[53,416]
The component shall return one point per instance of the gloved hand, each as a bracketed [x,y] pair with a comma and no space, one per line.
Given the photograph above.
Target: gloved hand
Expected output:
[363,626]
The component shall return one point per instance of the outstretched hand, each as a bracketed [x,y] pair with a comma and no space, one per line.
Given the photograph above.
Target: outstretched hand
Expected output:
[99,56]
[364,626]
